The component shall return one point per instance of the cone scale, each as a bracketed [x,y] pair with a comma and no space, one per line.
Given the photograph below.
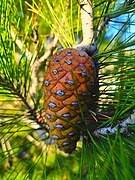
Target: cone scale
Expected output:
[68,95]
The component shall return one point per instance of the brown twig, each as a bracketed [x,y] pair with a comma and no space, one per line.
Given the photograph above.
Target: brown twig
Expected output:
[101,27]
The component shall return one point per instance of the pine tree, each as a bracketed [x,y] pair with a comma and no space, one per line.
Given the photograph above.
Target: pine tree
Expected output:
[31,32]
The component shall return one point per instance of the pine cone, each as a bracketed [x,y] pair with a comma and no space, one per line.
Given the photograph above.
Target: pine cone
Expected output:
[69,94]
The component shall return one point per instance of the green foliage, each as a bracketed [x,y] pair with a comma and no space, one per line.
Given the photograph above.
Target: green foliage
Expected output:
[24,153]
[63,18]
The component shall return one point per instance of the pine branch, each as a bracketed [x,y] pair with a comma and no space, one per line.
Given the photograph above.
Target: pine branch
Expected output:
[87,27]
[38,62]
[20,44]
[89,45]
[31,111]
[35,63]
[101,27]
[89,38]
[121,127]
[7,150]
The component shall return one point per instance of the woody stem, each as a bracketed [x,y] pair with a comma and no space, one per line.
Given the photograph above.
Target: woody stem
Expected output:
[87,28]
